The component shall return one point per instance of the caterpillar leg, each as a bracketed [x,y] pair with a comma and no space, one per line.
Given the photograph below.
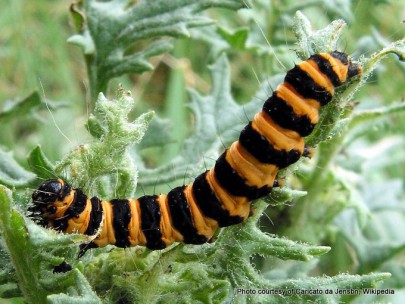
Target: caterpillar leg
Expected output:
[308,151]
[62,268]
[279,182]
[84,248]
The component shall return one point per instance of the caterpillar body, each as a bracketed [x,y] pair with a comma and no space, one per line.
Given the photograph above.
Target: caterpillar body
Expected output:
[220,196]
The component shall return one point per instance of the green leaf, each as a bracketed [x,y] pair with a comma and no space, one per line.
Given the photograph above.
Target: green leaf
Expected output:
[84,294]
[311,41]
[210,35]
[237,39]
[18,108]
[322,284]
[367,115]
[11,173]
[32,263]
[40,164]
[257,242]
[95,128]
[16,239]
[110,28]
[40,237]
[382,237]
[109,155]
[158,133]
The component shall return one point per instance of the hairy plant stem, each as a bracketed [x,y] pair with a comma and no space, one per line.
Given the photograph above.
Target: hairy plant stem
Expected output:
[303,211]
[95,85]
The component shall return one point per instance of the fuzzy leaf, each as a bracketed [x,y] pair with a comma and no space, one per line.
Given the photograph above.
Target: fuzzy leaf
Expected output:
[312,42]
[157,134]
[40,164]
[257,242]
[108,156]
[367,115]
[108,29]
[83,294]
[32,263]
[210,34]
[382,237]
[14,234]
[11,173]
[322,284]
[46,238]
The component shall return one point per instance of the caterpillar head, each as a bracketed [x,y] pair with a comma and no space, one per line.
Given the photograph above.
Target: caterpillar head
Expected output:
[48,199]
[353,69]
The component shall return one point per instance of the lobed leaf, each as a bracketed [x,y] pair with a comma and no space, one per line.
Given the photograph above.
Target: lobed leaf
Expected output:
[108,154]
[109,29]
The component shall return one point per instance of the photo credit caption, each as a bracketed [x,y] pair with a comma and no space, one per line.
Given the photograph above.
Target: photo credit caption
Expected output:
[326,291]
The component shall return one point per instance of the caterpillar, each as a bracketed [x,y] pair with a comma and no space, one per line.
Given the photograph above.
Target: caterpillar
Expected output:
[220,196]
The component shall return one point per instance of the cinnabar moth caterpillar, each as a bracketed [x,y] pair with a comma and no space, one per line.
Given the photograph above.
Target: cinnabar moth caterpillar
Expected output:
[220,196]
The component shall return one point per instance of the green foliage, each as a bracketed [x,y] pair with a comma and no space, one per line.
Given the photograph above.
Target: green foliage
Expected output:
[108,155]
[345,228]
[11,173]
[107,29]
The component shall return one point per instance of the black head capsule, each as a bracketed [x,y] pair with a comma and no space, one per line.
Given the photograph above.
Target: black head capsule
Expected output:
[354,69]
[48,191]
[46,195]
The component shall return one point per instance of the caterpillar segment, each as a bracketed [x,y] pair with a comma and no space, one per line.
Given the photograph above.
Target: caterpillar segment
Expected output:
[219,197]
